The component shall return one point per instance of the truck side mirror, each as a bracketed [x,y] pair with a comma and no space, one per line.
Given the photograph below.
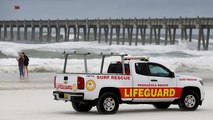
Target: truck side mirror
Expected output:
[172,74]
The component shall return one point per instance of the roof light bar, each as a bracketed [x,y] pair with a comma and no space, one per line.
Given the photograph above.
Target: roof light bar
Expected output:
[142,58]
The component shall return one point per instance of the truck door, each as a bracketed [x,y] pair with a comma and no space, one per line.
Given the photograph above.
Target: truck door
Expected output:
[140,80]
[162,83]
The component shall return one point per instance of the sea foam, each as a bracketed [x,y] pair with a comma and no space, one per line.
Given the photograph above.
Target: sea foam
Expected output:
[181,57]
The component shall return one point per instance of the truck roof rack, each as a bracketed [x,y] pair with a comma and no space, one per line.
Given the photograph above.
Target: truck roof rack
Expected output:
[113,54]
[76,53]
[103,55]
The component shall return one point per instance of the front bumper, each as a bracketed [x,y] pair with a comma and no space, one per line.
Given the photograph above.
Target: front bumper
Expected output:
[67,96]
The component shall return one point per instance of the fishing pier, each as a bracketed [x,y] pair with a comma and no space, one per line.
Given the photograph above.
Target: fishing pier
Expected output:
[135,31]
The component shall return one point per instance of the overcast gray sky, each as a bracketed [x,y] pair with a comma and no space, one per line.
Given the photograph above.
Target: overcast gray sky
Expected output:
[81,9]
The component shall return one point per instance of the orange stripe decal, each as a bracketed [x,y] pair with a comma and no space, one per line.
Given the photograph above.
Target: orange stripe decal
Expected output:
[150,92]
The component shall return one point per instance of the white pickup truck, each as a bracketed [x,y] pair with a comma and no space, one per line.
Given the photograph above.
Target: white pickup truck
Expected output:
[131,80]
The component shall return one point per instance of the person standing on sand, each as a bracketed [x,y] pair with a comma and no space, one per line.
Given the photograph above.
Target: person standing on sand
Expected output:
[21,66]
[26,63]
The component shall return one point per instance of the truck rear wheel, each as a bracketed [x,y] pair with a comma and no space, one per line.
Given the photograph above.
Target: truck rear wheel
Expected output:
[161,105]
[108,103]
[81,107]
[189,101]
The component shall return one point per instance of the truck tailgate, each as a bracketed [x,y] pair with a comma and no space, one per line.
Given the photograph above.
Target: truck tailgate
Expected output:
[66,82]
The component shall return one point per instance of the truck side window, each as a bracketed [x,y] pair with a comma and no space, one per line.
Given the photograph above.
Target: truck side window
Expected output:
[141,68]
[158,70]
[117,68]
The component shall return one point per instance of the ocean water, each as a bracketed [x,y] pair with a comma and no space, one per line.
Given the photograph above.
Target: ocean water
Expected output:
[48,57]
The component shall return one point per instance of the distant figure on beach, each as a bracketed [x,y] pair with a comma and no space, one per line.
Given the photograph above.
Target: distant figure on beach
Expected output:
[21,65]
[26,63]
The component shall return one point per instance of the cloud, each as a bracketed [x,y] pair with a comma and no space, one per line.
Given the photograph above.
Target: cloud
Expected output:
[71,9]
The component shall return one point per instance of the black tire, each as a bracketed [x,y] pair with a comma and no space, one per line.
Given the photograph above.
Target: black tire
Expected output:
[162,105]
[81,107]
[108,103]
[189,101]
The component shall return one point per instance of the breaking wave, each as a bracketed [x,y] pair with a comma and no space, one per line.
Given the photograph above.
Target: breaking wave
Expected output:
[47,57]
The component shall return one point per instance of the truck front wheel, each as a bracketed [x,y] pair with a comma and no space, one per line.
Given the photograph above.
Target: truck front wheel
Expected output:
[108,103]
[81,107]
[189,101]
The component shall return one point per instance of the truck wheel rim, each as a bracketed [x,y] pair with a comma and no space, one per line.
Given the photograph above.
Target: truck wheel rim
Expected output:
[109,104]
[190,101]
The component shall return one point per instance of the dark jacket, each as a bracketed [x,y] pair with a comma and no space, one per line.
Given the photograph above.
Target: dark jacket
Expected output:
[26,60]
[21,61]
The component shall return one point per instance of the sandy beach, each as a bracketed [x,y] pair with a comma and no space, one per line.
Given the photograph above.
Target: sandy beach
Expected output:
[32,99]
[11,81]
[39,105]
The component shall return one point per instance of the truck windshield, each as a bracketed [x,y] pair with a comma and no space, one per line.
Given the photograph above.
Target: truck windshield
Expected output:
[117,68]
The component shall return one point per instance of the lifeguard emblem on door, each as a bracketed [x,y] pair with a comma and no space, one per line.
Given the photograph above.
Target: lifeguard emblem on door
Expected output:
[90,85]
